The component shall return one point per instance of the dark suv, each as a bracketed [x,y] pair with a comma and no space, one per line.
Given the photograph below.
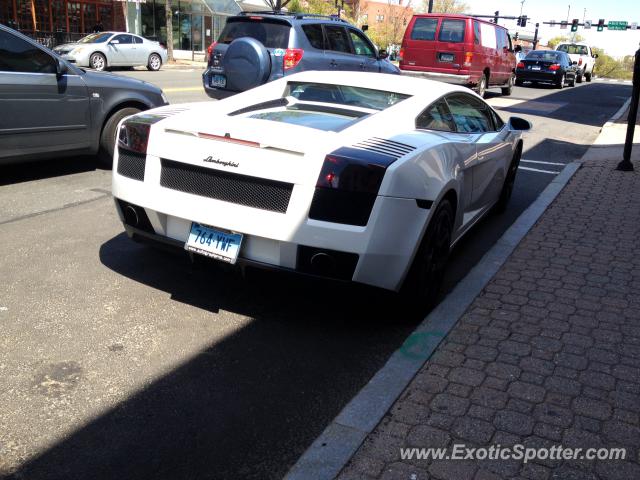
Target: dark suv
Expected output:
[255,48]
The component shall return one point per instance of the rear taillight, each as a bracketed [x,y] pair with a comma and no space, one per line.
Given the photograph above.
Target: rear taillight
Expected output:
[580,61]
[211,47]
[520,65]
[554,67]
[401,55]
[348,185]
[134,136]
[468,58]
[292,57]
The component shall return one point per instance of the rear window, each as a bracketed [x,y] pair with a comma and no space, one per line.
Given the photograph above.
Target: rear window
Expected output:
[424,29]
[452,31]
[545,56]
[270,34]
[344,95]
[573,49]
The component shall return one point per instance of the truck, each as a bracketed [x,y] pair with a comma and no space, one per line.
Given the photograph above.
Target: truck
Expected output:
[583,55]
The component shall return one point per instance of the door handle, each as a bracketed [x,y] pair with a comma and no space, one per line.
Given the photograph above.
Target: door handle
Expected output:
[362,66]
[333,63]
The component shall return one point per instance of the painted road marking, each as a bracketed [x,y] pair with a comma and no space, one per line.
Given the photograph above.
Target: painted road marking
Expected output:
[529,169]
[183,89]
[543,163]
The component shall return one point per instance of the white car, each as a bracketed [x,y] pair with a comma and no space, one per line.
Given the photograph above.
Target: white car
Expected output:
[584,57]
[346,175]
[113,49]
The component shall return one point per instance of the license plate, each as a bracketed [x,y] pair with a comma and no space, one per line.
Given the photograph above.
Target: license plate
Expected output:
[535,68]
[446,57]
[219,81]
[213,243]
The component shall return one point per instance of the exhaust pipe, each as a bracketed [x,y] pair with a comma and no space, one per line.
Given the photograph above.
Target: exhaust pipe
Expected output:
[323,264]
[131,216]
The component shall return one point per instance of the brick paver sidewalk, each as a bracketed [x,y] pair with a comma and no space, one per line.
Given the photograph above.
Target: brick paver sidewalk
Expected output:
[548,354]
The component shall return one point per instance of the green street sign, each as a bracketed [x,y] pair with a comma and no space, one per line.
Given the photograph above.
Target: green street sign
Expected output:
[617,25]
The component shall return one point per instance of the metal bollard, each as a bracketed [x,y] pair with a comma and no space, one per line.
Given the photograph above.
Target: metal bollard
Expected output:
[625,165]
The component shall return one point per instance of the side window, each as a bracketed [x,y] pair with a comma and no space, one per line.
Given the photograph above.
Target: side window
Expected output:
[476,32]
[361,45]
[313,32]
[123,39]
[138,40]
[17,55]
[470,114]
[337,39]
[424,29]
[436,117]
[452,31]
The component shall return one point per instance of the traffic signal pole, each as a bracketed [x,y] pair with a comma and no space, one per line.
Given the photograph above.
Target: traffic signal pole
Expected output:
[625,165]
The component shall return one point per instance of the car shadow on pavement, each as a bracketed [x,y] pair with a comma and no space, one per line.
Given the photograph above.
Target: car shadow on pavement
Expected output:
[58,167]
[594,98]
[246,406]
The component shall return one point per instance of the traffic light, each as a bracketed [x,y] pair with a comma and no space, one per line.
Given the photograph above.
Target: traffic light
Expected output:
[574,25]
[496,15]
[600,24]
[515,37]
[522,21]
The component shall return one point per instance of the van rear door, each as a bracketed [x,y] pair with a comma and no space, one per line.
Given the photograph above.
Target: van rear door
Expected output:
[437,45]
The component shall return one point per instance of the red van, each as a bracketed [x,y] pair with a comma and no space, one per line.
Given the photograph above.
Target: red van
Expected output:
[458,49]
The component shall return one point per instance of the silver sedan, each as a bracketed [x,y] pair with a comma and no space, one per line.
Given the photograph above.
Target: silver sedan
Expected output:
[113,49]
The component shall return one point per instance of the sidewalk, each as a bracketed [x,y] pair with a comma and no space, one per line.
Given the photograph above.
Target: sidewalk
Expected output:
[547,354]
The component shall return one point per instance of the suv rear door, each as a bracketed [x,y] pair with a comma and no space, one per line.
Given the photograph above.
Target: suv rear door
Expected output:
[365,52]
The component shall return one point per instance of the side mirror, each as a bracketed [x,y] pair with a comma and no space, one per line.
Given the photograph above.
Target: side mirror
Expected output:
[574,63]
[365,28]
[114,42]
[61,68]
[518,123]
[382,54]
[595,55]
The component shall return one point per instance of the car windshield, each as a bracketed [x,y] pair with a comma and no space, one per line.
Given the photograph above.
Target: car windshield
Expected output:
[544,55]
[270,34]
[96,38]
[578,49]
[344,95]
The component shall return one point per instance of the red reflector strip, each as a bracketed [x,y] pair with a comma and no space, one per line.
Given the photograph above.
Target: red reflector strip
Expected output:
[223,138]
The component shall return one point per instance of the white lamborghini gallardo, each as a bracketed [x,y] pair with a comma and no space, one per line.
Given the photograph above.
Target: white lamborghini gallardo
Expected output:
[352,176]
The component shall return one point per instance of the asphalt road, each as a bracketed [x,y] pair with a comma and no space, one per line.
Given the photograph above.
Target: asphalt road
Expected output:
[121,361]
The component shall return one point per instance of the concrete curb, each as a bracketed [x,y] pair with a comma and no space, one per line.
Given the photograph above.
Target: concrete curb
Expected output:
[331,451]
[616,116]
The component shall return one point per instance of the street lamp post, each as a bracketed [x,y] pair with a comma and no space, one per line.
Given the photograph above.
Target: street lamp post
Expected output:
[625,165]
[430,6]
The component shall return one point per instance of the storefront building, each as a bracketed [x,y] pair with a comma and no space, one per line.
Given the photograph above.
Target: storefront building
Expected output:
[195,23]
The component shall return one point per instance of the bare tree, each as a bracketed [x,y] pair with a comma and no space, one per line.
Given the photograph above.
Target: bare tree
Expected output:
[169,13]
[276,5]
[445,6]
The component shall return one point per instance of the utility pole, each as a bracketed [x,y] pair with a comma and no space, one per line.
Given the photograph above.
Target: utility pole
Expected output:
[535,37]
[568,13]
[430,6]
[521,5]
[169,24]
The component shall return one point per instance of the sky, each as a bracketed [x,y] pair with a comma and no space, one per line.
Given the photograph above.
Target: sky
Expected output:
[615,43]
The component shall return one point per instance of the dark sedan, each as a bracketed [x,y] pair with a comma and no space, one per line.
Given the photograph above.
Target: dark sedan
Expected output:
[546,66]
[49,107]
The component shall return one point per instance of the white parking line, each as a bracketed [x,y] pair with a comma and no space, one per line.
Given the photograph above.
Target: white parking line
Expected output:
[537,170]
[543,163]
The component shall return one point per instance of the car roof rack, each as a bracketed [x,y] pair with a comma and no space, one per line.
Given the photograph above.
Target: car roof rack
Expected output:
[301,16]
[297,16]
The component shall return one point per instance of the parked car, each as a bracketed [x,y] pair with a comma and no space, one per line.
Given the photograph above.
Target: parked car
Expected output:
[113,49]
[547,66]
[257,48]
[50,107]
[583,55]
[343,175]
[458,49]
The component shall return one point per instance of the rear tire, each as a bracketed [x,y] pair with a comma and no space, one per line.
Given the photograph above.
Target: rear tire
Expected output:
[108,136]
[422,285]
[519,82]
[572,83]
[560,83]
[509,181]
[506,91]
[587,76]
[579,78]
[481,88]
[154,63]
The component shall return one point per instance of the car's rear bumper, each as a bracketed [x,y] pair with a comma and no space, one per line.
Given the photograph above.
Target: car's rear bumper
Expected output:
[531,76]
[441,77]
[213,92]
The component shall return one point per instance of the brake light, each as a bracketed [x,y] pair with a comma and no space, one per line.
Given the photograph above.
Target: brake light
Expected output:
[348,186]
[401,55]
[468,58]
[292,57]
[134,136]
[554,67]
[211,48]
[580,61]
[520,65]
